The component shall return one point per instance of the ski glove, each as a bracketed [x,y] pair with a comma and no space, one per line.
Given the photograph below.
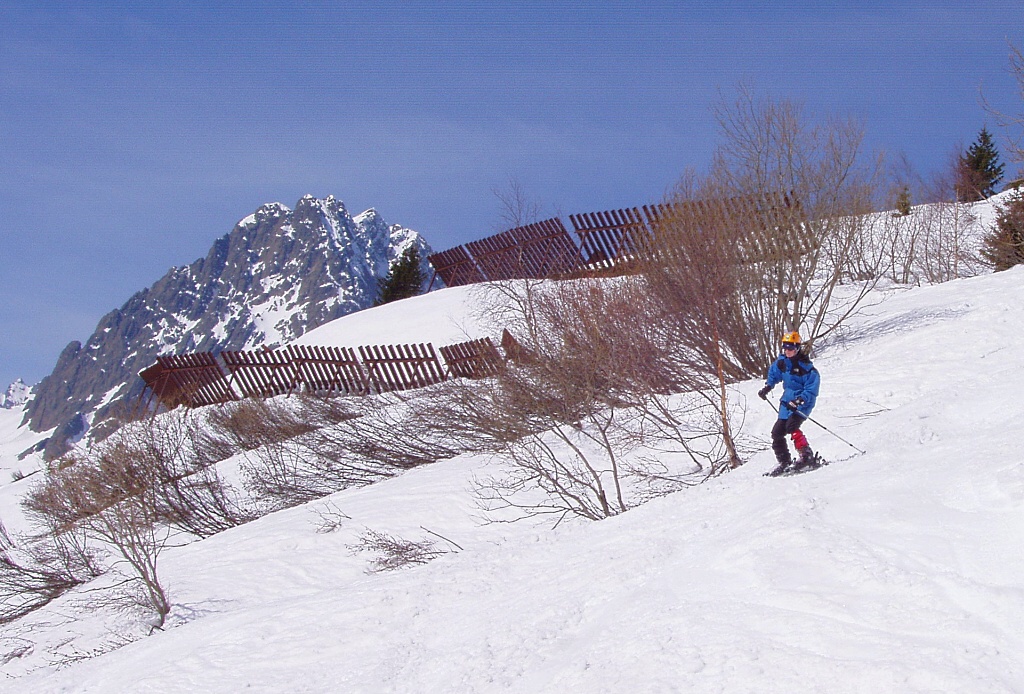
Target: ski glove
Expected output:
[763,393]
[795,403]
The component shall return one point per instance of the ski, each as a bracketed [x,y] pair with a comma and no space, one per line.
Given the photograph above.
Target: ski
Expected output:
[818,462]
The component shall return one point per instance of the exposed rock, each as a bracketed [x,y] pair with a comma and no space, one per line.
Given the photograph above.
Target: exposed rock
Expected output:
[17,395]
[276,275]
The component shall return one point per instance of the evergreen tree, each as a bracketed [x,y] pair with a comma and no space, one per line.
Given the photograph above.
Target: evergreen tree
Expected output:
[1004,246]
[979,169]
[404,279]
[903,202]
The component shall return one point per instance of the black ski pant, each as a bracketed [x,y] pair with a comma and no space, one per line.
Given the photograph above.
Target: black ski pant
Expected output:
[783,428]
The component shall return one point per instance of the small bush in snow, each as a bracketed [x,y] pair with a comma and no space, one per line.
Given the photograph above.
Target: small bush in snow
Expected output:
[394,552]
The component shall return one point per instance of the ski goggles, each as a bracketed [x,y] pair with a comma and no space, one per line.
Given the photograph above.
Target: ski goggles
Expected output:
[790,345]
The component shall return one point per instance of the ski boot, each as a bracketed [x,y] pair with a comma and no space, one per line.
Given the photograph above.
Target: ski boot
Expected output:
[784,467]
[808,461]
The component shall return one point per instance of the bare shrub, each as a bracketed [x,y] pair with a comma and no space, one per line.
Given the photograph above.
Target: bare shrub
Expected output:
[1016,121]
[933,242]
[179,451]
[1013,123]
[901,240]
[395,552]
[190,494]
[343,444]
[125,494]
[109,495]
[32,576]
[331,518]
[581,402]
[761,244]
[255,422]
[516,207]
[950,243]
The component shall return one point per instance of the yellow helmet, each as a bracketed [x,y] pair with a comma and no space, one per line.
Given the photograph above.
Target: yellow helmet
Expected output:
[792,338]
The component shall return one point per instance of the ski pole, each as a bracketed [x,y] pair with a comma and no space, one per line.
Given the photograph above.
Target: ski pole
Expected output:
[822,426]
[837,436]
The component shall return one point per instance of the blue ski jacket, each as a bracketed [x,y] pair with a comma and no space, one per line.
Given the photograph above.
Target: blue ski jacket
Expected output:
[799,379]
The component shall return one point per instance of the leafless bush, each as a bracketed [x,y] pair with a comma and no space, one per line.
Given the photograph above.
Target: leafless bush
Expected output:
[901,239]
[950,241]
[109,494]
[584,397]
[516,207]
[932,242]
[935,243]
[179,452]
[124,495]
[351,445]
[395,552]
[331,518]
[35,574]
[67,653]
[12,648]
[761,244]
[256,422]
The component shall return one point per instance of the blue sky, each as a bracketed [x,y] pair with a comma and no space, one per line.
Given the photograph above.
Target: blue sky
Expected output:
[132,136]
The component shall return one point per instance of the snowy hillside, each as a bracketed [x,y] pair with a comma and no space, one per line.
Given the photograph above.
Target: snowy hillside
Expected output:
[895,571]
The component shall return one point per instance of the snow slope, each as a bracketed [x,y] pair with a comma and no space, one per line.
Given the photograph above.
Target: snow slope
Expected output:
[901,570]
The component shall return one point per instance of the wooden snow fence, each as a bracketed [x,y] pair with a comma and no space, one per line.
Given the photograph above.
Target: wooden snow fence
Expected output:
[260,374]
[267,373]
[767,229]
[610,242]
[455,267]
[329,370]
[611,239]
[534,251]
[497,256]
[401,367]
[472,359]
[200,379]
[546,249]
[192,380]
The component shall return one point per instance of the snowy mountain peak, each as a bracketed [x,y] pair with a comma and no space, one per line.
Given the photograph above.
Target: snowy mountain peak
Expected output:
[264,213]
[277,274]
[16,395]
[369,214]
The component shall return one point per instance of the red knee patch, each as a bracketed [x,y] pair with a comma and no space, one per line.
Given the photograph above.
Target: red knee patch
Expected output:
[799,440]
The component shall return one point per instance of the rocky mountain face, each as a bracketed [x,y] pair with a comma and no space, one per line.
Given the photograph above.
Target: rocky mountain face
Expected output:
[16,395]
[277,274]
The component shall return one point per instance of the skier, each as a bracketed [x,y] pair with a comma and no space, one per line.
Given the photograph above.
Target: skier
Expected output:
[800,383]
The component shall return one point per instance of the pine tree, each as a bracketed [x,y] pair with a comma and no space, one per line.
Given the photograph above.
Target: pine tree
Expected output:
[1004,246]
[979,169]
[903,202]
[404,279]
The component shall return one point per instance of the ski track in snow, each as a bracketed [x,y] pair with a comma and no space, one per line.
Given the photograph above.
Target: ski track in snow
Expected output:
[895,571]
